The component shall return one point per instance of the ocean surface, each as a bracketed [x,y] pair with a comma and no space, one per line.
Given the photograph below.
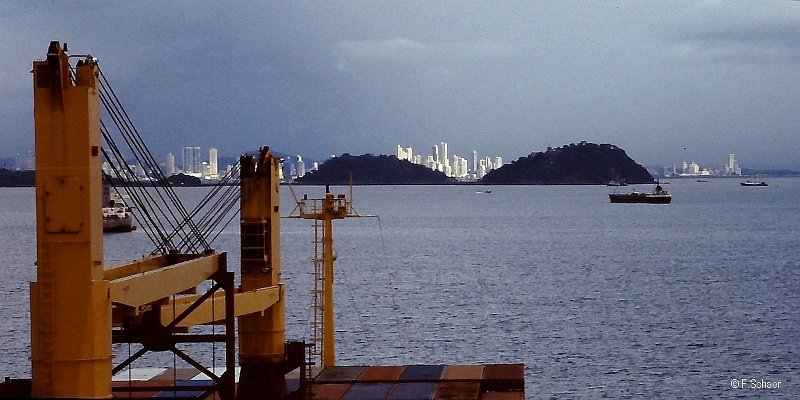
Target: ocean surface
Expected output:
[696,299]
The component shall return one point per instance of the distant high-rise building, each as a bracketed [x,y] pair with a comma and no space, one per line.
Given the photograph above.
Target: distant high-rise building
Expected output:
[404,153]
[732,167]
[459,168]
[196,161]
[212,162]
[300,166]
[25,161]
[169,166]
[430,162]
[188,160]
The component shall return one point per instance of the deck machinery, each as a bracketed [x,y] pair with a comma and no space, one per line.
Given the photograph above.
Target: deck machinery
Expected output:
[79,307]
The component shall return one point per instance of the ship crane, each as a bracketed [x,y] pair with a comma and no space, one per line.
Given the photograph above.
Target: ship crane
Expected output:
[80,307]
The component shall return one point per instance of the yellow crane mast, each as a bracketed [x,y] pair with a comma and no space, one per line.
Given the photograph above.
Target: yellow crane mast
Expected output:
[70,300]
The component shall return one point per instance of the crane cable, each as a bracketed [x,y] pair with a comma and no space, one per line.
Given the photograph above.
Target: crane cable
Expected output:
[152,203]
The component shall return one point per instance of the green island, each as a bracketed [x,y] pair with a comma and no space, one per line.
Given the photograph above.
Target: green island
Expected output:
[370,169]
[573,164]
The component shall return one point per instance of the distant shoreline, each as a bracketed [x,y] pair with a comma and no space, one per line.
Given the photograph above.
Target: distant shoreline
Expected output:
[12,179]
[340,184]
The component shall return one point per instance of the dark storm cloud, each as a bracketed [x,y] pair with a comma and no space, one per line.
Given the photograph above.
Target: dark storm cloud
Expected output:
[504,78]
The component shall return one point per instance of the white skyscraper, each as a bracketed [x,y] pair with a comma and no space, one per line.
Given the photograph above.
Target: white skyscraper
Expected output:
[188,160]
[196,161]
[498,162]
[170,165]
[212,162]
[732,167]
[430,162]
[25,161]
[404,153]
[300,166]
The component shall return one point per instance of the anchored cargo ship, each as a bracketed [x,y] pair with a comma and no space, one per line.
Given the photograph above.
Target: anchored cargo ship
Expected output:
[657,196]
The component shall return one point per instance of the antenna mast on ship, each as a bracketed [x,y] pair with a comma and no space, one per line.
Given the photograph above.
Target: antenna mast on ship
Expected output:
[323,211]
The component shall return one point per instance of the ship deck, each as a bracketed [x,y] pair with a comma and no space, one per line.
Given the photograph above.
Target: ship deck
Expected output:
[390,382]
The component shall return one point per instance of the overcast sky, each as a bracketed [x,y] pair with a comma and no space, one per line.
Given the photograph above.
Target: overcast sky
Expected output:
[668,81]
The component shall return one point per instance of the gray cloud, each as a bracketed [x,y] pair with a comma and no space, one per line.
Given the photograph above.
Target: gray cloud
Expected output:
[403,50]
[764,44]
[504,78]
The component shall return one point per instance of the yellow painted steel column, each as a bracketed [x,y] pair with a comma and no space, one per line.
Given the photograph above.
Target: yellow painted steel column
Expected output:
[70,301]
[262,336]
[328,333]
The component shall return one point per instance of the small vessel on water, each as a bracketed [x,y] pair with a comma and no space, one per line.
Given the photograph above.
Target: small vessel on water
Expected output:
[753,183]
[657,196]
[117,216]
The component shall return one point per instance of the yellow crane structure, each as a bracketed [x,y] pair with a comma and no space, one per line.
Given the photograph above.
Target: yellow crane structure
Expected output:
[79,307]
[70,300]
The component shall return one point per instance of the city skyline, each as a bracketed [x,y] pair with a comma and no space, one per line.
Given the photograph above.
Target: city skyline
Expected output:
[729,167]
[440,160]
[693,169]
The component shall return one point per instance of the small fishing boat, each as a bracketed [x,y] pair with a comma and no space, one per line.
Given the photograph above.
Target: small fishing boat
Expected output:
[117,216]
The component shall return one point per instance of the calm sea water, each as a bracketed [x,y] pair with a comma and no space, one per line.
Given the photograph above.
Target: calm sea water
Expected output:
[596,299]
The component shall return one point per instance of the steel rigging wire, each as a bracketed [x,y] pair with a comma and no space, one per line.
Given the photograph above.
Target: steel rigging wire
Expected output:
[158,207]
[145,159]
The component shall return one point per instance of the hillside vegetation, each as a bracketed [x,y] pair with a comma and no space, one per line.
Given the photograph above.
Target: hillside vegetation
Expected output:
[573,164]
[371,169]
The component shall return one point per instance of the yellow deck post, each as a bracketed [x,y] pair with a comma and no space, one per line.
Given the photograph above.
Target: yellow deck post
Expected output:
[70,301]
[328,324]
[261,335]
